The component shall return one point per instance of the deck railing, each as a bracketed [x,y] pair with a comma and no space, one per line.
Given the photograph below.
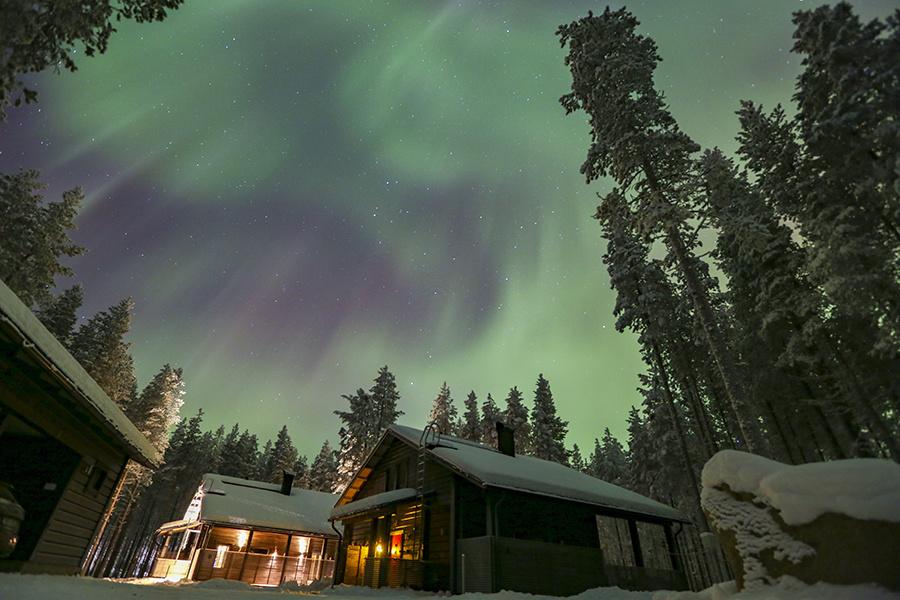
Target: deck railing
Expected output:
[261,569]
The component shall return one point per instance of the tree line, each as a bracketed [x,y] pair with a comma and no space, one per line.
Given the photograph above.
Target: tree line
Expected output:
[782,338]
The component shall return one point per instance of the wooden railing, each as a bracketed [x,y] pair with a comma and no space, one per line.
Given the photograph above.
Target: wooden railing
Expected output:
[261,569]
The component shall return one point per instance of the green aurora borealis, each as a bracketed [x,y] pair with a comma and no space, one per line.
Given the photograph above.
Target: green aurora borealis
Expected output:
[296,193]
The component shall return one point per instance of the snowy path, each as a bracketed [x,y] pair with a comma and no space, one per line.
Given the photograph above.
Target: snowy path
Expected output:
[50,587]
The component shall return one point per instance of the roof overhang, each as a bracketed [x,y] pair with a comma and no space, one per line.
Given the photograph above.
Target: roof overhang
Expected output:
[58,363]
[371,503]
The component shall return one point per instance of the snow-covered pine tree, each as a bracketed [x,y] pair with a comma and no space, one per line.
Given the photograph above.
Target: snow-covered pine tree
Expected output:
[490,414]
[246,457]
[34,235]
[261,469]
[323,470]
[613,468]
[576,460]
[356,435]
[594,463]
[548,431]
[229,452]
[848,205]
[778,324]
[516,417]
[283,457]
[60,313]
[443,412]
[301,472]
[158,406]
[470,425]
[635,139]
[384,397]
[100,347]
[823,171]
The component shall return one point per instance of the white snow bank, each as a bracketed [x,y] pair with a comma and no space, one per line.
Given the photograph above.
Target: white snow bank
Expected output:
[15,586]
[862,488]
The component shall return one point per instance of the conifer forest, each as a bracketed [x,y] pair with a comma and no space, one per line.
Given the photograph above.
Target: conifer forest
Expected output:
[736,296]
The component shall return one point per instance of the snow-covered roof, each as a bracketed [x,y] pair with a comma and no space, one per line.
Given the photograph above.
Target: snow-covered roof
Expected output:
[258,504]
[489,467]
[862,488]
[370,502]
[46,348]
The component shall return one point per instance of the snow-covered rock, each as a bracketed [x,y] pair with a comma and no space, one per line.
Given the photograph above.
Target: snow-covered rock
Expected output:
[836,521]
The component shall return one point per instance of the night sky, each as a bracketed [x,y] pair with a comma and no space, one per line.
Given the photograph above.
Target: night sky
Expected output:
[296,193]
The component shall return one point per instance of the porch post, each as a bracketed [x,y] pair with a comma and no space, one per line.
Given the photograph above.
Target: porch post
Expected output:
[246,551]
[199,546]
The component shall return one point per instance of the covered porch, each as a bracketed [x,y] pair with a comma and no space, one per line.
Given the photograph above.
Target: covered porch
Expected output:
[262,557]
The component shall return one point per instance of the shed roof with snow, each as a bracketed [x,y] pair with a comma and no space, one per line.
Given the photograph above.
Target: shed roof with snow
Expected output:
[241,502]
[58,363]
[488,467]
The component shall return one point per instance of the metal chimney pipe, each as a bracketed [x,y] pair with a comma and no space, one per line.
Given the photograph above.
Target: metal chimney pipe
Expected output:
[506,440]
[287,482]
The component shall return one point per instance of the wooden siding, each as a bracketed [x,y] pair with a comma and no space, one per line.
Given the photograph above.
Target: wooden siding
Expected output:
[86,482]
[71,527]
[396,468]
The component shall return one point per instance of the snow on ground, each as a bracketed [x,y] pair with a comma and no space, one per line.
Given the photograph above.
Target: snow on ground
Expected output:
[54,587]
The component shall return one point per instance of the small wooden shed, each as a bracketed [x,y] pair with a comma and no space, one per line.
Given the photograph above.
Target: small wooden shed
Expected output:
[437,512]
[63,444]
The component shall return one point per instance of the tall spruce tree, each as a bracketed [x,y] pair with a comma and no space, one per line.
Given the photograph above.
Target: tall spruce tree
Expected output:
[34,235]
[443,412]
[229,457]
[301,472]
[849,208]
[515,416]
[576,460]
[636,141]
[283,457]
[247,456]
[323,469]
[261,469]
[357,435]
[101,348]
[158,406]
[384,397]
[548,431]
[490,414]
[470,426]
[613,466]
[60,313]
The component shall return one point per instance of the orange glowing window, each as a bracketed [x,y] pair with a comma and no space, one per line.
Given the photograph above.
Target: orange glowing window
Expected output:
[396,544]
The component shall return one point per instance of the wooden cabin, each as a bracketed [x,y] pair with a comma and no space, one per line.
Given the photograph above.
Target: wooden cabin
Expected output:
[261,533]
[434,512]
[63,445]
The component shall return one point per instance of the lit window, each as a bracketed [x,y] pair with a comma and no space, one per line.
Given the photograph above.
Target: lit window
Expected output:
[220,557]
